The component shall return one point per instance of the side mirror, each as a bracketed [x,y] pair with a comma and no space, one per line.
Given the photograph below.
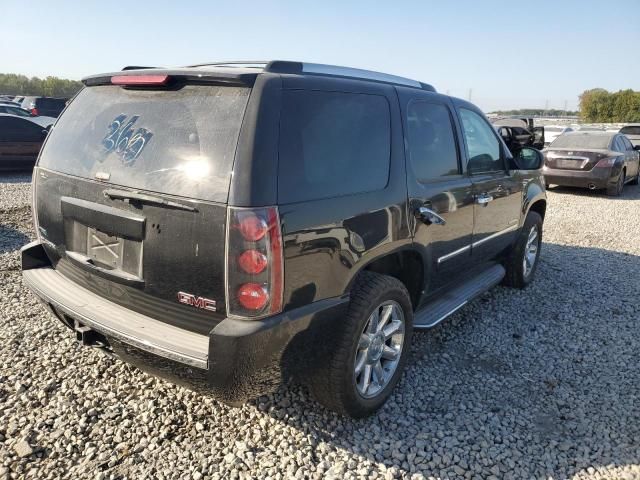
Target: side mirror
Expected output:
[636,147]
[528,158]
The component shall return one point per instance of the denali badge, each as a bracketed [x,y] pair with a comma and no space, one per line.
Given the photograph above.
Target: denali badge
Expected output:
[198,302]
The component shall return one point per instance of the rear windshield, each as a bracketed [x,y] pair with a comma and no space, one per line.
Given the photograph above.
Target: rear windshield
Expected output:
[176,142]
[332,144]
[582,141]
[635,130]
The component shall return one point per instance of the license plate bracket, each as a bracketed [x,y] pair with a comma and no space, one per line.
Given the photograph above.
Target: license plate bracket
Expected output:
[105,249]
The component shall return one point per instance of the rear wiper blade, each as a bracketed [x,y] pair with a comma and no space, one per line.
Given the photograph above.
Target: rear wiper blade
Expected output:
[145,198]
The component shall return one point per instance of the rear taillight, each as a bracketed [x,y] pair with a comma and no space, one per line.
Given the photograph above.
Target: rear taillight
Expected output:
[254,262]
[34,112]
[606,162]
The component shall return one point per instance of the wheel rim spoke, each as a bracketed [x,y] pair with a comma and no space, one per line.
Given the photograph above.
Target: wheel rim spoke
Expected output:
[379,373]
[374,319]
[389,353]
[360,362]
[392,328]
[366,378]
[387,313]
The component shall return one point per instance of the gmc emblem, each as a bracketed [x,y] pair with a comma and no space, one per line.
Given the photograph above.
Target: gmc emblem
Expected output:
[198,302]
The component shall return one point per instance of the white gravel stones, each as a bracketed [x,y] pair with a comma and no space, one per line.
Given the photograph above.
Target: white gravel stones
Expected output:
[541,383]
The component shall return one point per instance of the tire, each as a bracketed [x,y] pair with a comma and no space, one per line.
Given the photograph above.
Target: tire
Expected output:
[636,179]
[616,190]
[521,270]
[334,382]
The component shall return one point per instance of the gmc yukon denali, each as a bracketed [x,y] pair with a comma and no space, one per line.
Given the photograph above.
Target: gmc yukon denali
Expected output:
[233,226]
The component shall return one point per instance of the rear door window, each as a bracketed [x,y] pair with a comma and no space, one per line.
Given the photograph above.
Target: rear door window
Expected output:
[332,144]
[177,142]
[431,141]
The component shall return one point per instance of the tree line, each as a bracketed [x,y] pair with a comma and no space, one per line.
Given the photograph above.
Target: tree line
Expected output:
[14,84]
[601,106]
[536,112]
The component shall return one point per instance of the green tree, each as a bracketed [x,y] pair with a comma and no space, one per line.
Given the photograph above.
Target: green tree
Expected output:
[13,84]
[599,105]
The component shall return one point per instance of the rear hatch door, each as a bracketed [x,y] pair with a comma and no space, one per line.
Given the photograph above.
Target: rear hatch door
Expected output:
[131,192]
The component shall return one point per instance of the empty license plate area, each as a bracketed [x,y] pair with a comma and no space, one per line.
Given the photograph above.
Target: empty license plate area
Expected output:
[103,249]
[571,163]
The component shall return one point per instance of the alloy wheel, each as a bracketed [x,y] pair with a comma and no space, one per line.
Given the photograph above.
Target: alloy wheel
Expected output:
[379,349]
[530,251]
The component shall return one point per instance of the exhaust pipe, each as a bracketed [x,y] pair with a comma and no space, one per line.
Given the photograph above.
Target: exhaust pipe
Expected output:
[591,186]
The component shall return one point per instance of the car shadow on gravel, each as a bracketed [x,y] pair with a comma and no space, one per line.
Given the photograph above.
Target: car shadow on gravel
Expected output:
[630,192]
[528,383]
[11,239]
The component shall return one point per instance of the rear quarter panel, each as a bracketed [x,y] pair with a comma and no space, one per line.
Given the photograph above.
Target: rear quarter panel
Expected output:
[328,241]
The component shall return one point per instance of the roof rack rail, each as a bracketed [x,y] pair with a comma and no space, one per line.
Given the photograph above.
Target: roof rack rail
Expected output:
[282,66]
[234,63]
[135,67]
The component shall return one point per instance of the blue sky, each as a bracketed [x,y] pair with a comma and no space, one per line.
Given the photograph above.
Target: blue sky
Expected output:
[509,54]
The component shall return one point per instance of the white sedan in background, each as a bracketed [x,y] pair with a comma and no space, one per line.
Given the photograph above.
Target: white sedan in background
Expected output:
[552,132]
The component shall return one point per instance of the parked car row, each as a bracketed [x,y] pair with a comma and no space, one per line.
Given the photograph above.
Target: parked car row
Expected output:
[24,122]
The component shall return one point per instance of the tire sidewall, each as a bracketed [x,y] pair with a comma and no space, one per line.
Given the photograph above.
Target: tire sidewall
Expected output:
[361,406]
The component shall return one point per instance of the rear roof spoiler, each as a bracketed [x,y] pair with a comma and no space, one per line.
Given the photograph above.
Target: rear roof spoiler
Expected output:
[177,77]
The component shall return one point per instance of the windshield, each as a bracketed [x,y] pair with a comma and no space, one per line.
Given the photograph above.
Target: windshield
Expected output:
[177,142]
[582,141]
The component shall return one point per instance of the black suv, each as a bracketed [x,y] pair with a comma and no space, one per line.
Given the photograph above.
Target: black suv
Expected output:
[231,226]
[44,106]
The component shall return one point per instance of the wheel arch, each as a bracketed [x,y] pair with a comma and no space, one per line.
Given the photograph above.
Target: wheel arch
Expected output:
[406,265]
[535,199]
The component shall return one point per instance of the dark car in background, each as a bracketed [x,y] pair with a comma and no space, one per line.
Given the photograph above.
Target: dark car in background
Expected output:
[594,160]
[47,106]
[20,142]
[632,132]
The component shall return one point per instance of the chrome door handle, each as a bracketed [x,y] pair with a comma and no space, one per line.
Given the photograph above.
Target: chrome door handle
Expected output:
[483,199]
[429,217]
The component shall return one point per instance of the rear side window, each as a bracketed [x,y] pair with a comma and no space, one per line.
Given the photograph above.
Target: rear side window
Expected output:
[177,142]
[631,130]
[332,144]
[431,141]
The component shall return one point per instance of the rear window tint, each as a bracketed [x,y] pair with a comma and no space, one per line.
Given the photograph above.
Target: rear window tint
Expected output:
[633,130]
[582,140]
[332,144]
[177,142]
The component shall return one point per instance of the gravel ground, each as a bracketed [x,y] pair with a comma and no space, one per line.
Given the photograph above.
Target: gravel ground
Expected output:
[539,383]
